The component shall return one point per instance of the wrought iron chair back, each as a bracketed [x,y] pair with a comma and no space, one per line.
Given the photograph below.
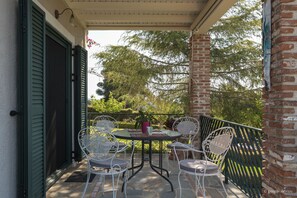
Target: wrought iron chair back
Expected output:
[214,150]
[103,156]
[96,145]
[217,144]
[188,127]
[105,123]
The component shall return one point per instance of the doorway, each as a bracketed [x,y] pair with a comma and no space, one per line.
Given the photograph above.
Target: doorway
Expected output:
[58,132]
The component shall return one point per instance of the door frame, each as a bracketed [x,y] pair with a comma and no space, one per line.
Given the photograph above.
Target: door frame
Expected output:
[56,36]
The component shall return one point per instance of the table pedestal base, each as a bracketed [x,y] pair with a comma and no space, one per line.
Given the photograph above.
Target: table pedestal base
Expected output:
[158,169]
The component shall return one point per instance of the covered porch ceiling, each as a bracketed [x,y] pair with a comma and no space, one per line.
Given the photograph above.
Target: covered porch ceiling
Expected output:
[185,15]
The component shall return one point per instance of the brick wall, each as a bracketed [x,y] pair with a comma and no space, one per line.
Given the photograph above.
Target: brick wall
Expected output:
[280,111]
[200,75]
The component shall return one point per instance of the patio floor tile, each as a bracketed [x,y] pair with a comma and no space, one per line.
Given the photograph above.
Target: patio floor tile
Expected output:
[146,184]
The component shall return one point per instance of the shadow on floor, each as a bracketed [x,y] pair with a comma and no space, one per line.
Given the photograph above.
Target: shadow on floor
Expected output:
[146,184]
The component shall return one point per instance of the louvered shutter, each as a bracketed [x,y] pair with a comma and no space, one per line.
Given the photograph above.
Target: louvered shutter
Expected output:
[32,144]
[81,97]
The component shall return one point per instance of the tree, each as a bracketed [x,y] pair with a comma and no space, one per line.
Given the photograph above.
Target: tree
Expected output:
[140,73]
[236,64]
[142,65]
[125,70]
[156,64]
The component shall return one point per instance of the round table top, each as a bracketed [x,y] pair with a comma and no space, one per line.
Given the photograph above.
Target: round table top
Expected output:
[135,134]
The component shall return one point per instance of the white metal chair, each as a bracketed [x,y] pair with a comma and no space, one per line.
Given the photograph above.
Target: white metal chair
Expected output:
[188,127]
[102,152]
[105,123]
[214,150]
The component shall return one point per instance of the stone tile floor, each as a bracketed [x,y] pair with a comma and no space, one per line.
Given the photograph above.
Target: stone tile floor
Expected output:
[146,184]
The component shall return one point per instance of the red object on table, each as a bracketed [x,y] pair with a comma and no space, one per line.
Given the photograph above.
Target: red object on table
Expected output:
[144,126]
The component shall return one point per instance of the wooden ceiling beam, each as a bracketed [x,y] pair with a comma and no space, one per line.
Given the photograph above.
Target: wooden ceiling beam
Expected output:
[118,18]
[137,27]
[211,13]
[139,6]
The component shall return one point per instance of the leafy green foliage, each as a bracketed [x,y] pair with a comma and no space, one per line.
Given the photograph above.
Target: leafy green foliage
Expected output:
[147,72]
[236,65]
[127,70]
[235,46]
[241,107]
[163,44]
[144,117]
[111,105]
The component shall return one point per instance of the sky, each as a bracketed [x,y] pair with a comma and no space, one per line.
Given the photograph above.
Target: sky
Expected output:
[103,38]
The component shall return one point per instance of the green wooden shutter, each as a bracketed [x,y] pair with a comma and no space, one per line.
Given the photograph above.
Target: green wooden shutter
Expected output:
[81,96]
[32,138]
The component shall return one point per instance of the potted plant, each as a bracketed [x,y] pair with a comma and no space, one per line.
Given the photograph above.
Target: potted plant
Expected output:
[143,120]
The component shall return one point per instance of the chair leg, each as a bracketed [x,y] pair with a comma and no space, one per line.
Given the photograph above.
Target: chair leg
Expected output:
[167,154]
[118,179]
[113,189]
[223,187]
[173,155]
[199,185]
[184,153]
[102,182]
[125,182]
[193,156]
[115,184]
[87,182]
[203,187]
[179,184]
[170,165]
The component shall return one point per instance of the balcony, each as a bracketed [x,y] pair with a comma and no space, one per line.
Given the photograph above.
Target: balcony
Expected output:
[242,170]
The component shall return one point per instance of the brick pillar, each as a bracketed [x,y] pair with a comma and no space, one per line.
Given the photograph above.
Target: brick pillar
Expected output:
[280,110]
[200,75]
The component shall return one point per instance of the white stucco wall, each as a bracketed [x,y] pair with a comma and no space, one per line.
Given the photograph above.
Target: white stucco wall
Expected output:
[8,90]
[8,98]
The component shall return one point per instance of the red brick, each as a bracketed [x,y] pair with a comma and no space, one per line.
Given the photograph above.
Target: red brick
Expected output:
[286,1]
[269,116]
[287,55]
[285,87]
[286,46]
[287,149]
[290,189]
[289,181]
[287,23]
[281,125]
[286,15]
[285,103]
[281,71]
[285,38]
[280,172]
[288,141]
[284,132]
[279,79]
[272,195]
[285,7]
[282,95]
[284,30]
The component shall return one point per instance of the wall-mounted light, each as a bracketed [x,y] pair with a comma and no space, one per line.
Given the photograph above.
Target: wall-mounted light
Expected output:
[71,19]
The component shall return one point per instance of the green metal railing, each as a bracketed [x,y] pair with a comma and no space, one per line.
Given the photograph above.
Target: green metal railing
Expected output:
[130,117]
[243,162]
